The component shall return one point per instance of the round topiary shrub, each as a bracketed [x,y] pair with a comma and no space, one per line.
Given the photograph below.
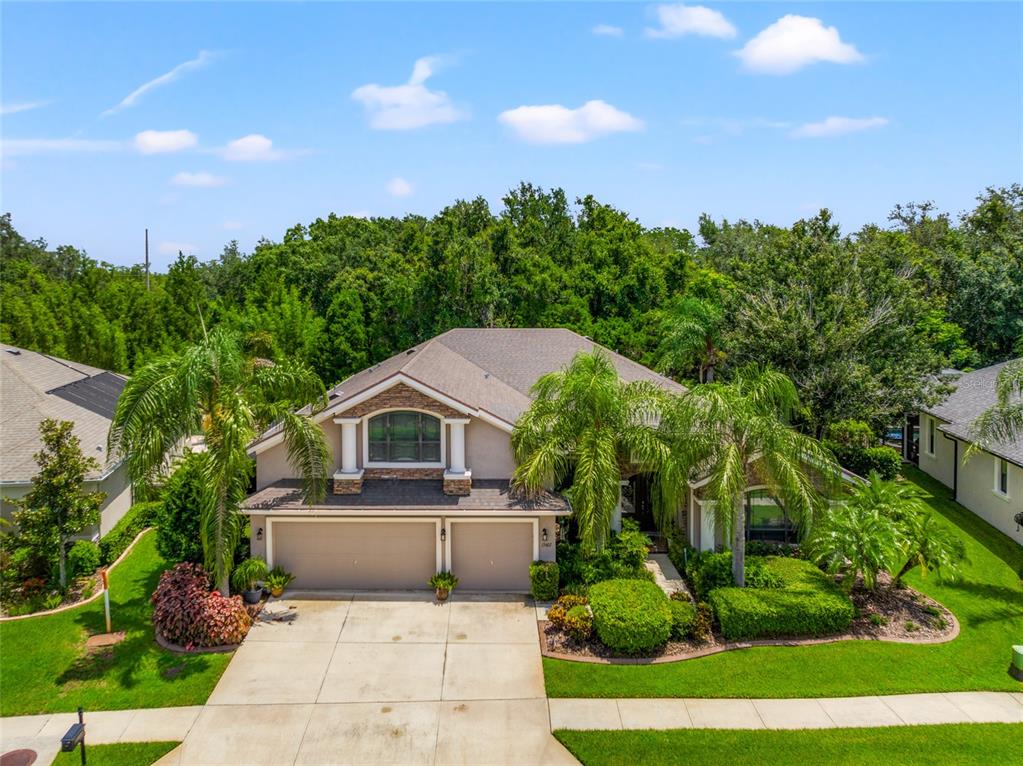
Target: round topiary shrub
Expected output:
[187,613]
[630,616]
[83,558]
[683,618]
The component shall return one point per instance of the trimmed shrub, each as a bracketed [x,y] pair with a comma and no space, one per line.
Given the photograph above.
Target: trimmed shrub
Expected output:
[759,575]
[559,610]
[543,580]
[187,613]
[630,616]
[138,517]
[680,552]
[629,548]
[82,558]
[810,604]
[623,558]
[850,433]
[861,461]
[708,571]
[178,528]
[767,548]
[683,618]
[579,622]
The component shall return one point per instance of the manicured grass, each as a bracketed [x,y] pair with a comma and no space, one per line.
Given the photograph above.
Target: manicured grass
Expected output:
[987,600]
[44,667]
[121,754]
[907,745]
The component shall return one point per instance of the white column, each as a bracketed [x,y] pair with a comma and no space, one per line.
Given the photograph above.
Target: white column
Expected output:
[457,445]
[348,442]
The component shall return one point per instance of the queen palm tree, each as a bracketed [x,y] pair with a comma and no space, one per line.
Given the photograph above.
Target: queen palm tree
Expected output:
[738,433]
[588,427]
[1003,421]
[215,389]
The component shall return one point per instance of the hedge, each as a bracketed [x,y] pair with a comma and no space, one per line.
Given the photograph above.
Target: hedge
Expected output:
[630,616]
[683,619]
[810,604]
[138,517]
[543,580]
[861,461]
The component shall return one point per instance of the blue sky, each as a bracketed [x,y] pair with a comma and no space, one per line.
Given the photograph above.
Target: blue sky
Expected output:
[215,122]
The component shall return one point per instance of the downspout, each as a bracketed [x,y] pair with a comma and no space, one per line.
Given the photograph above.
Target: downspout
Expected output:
[955,466]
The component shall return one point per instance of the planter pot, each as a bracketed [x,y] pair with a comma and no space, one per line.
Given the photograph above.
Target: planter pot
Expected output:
[252,596]
[276,592]
[442,594]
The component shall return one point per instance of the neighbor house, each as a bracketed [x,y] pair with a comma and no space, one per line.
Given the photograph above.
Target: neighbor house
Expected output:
[422,459]
[34,387]
[990,481]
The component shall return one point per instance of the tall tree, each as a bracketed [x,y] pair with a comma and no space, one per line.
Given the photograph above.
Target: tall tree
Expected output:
[588,429]
[737,434]
[692,337]
[213,388]
[57,507]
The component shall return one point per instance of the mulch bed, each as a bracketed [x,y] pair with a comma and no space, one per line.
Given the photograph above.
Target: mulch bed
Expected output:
[896,608]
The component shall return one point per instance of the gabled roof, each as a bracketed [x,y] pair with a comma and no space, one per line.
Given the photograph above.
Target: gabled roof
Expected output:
[36,386]
[973,395]
[487,372]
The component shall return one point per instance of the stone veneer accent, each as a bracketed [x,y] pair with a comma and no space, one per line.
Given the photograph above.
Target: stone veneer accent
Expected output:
[457,486]
[347,486]
[402,473]
[397,397]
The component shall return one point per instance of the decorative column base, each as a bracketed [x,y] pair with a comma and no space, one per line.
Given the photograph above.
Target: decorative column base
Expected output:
[457,483]
[348,483]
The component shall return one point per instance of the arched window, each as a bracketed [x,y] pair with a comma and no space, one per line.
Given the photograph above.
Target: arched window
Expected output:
[404,437]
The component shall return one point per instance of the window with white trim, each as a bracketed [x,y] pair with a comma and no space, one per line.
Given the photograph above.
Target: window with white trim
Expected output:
[404,437]
[1001,477]
[930,436]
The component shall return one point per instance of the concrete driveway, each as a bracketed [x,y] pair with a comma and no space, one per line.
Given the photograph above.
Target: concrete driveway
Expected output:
[375,679]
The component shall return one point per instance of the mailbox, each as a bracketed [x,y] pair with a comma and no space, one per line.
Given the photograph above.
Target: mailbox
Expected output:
[74,737]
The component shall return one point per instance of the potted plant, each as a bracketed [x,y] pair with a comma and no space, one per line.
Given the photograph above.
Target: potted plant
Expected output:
[443,583]
[277,580]
[245,577]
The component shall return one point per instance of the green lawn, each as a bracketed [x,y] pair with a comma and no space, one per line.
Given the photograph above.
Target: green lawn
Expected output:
[988,601]
[44,667]
[122,754]
[975,743]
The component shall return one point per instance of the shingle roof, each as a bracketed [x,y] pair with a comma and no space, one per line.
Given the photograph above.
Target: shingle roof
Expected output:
[34,387]
[490,369]
[974,394]
[402,496]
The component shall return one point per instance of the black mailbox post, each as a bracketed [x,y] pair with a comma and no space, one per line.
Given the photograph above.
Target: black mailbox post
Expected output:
[75,737]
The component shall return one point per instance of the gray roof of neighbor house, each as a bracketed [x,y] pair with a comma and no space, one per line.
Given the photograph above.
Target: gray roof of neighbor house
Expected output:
[34,387]
[487,369]
[974,394]
[486,495]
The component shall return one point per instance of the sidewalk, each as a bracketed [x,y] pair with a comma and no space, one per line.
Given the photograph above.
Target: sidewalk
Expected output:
[824,713]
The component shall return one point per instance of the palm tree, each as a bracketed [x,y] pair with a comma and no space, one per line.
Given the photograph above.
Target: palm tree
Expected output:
[858,541]
[213,388]
[586,425]
[925,542]
[737,434]
[1004,421]
[692,333]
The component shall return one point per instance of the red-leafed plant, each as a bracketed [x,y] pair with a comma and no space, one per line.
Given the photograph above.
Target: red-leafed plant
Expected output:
[187,613]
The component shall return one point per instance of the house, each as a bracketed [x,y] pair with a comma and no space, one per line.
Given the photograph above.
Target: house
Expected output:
[990,481]
[422,459]
[34,387]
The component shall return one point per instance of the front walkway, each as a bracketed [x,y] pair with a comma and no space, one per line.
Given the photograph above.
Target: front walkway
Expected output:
[824,713]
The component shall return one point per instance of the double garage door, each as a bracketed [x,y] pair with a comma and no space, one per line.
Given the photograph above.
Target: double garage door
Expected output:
[396,554]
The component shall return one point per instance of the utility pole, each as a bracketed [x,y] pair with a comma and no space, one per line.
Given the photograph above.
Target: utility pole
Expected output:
[147,260]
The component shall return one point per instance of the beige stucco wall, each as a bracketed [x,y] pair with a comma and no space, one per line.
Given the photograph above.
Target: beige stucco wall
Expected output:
[941,464]
[115,504]
[488,452]
[257,548]
[976,492]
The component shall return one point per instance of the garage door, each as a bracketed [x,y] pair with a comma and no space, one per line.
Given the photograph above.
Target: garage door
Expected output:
[357,555]
[492,556]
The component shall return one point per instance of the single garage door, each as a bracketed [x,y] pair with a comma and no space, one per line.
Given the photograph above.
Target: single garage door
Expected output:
[492,555]
[357,554]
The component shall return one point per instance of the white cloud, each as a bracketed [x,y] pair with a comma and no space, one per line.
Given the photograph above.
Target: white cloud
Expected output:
[160,141]
[202,178]
[607,30]
[252,148]
[21,106]
[173,248]
[557,124]
[838,126]
[166,78]
[679,20]
[22,146]
[399,187]
[408,106]
[793,42]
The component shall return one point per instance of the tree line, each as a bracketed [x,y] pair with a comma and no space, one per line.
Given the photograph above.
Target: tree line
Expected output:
[862,322]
